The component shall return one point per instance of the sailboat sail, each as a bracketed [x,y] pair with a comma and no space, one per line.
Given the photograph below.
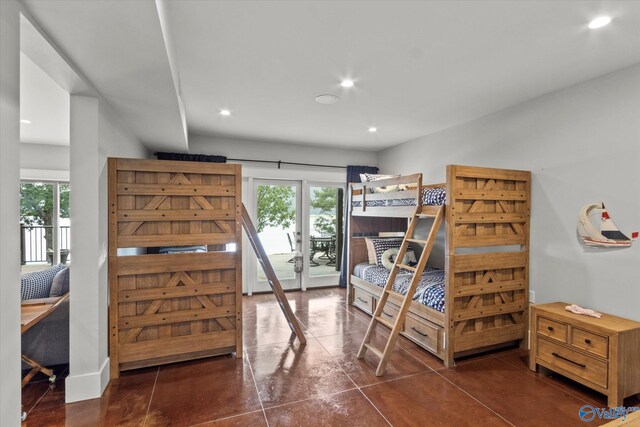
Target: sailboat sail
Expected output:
[596,228]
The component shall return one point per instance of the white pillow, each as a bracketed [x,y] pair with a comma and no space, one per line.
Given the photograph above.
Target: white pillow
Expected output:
[389,258]
[369,177]
[371,250]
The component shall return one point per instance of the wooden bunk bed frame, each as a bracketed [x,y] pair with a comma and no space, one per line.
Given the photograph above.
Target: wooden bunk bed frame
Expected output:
[166,308]
[487,289]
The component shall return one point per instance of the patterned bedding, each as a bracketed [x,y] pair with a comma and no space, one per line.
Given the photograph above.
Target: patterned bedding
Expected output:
[430,196]
[430,290]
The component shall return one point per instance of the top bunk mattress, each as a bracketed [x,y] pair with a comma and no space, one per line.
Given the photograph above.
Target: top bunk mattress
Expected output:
[431,196]
[430,290]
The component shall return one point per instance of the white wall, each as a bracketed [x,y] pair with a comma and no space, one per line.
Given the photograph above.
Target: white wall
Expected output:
[44,161]
[44,156]
[9,213]
[96,135]
[265,150]
[115,141]
[582,145]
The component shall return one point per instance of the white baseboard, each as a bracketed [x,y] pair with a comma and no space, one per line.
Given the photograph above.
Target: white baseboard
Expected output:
[87,386]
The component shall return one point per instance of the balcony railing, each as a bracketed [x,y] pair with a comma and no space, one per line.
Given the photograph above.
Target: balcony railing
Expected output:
[33,244]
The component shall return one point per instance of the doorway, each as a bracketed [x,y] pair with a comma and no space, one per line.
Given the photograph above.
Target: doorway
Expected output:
[298,218]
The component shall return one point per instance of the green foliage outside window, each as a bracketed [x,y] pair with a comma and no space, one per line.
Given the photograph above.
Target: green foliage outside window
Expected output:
[36,206]
[276,206]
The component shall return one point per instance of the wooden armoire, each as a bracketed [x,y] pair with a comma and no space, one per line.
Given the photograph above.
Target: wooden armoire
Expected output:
[172,307]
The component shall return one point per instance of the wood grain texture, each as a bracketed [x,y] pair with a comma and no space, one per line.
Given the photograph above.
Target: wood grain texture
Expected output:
[170,307]
[603,354]
[486,295]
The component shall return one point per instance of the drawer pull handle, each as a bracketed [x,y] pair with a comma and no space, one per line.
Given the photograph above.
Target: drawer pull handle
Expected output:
[550,328]
[387,314]
[363,300]
[418,332]
[569,360]
[587,341]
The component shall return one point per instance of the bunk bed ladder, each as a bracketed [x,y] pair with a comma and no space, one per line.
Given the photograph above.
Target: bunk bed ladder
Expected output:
[263,259]
[436,213]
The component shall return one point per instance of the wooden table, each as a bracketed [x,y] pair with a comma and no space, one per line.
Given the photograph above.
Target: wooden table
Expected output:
[31,313]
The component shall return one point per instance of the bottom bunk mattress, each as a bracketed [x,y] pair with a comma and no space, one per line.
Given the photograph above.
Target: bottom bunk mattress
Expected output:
[430,290]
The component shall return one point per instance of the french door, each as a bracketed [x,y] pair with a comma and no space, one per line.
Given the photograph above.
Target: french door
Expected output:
[298,218]
[277,218]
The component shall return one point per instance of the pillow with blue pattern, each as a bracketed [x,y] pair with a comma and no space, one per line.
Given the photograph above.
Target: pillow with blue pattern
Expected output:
[38,284]
[381,245]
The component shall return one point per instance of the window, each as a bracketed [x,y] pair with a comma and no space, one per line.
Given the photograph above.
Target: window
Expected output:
[44,224]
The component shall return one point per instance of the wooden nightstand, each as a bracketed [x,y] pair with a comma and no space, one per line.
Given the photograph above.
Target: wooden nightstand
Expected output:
[603,354]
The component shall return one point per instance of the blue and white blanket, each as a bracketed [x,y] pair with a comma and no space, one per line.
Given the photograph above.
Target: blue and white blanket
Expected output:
[430,290]
[430,197]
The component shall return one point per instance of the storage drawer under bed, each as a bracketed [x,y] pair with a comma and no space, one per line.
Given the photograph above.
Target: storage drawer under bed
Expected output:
[423,332]
[390,312]
[363,300]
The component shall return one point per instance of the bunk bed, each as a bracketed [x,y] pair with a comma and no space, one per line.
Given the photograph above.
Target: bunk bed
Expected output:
[473,294]
[175,287]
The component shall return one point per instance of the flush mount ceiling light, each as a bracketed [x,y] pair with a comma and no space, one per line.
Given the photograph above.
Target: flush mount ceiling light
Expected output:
[225,113]
[25,122]
[327,99]
[346,83]
[599,22]
[373,129]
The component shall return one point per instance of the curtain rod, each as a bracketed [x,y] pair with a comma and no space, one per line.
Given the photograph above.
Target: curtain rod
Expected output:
[280,162]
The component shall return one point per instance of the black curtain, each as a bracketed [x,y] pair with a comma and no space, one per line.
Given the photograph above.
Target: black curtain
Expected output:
[191,157]
[353,175]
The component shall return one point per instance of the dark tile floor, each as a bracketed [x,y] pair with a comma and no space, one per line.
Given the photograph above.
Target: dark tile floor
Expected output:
[279,383]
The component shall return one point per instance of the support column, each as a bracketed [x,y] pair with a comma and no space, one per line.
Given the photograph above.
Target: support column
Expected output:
[10,213]
[89,365]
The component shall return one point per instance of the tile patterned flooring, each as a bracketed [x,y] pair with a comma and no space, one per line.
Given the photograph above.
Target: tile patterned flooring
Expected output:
[279,383]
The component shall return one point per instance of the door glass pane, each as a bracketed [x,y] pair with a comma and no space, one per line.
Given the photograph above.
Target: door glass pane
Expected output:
[276,226]
[323,234]
[36,225]
[65,225]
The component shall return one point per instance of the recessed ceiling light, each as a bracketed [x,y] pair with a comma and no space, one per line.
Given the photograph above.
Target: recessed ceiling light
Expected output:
[25,122]
[373,129]
[327,99]
[225,113]
[346,83]
[599,22]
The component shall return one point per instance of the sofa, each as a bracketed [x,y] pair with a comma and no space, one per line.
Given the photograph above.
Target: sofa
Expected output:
[48,341]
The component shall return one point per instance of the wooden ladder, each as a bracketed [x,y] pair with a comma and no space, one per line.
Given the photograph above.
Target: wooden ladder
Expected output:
[436,213]
[252,235]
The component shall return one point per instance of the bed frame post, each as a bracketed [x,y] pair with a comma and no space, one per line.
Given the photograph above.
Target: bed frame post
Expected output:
[450,251]
[524,343]
[347,247]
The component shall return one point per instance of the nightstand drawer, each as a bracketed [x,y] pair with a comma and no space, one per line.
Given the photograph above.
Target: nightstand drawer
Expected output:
[581,365]
[363,300]
[552,329]
[593,343]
